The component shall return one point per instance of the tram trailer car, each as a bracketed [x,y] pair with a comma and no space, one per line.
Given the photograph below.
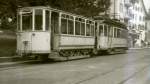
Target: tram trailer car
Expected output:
[52,33]
[111,37]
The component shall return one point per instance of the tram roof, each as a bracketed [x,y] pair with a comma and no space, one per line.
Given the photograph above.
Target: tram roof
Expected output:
[55,10]
[107,20]
[116,23]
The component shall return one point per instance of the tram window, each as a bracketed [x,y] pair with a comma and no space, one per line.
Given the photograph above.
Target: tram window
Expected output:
[27,21]
[82,28]
[67,16]
[92,30]
[118,33]
[67,24]
[47,20]
[105,30]
[64,26]
[18,22]
[38,19]
[101,30]
[124,34]
[77,28]
[55,22]
[87,29]
[109,31]
[121,33]
[114,32]
[70,27]
[71,17]
[63,16]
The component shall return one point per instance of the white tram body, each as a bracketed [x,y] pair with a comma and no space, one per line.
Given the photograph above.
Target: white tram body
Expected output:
[44,30]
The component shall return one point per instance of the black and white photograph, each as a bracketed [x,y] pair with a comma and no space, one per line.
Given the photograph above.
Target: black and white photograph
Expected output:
[74,41]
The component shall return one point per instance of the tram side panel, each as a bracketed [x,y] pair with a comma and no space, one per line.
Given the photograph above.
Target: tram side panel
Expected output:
[119,43]
[75,35]
[76,42]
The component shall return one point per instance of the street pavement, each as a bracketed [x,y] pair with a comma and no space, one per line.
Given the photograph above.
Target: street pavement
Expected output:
[130,68]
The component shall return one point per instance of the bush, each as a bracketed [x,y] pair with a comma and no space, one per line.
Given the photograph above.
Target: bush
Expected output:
[7,47]
[7,44]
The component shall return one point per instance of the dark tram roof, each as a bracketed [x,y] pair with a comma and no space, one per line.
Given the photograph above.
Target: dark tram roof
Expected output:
[115,23]
[110,21]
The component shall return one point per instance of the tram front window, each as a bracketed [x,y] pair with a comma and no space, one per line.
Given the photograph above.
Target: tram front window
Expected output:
[26,21]
[38,19]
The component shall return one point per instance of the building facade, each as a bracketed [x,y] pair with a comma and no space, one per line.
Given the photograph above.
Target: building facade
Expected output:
[133,14]
[148,28]
[117,10]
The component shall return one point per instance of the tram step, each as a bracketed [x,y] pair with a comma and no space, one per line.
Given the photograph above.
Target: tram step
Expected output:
[59,58]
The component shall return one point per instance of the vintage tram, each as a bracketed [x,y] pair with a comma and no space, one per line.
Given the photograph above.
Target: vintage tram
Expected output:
[111,36]
[52,33]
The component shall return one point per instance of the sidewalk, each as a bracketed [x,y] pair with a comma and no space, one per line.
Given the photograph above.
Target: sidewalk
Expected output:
[15,60]
[140,48]
[11,64]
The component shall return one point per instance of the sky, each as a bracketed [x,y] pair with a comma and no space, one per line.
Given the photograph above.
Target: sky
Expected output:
[147,4]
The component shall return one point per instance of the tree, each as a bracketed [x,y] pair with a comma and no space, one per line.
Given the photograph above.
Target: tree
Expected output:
[88,8]
[8,10]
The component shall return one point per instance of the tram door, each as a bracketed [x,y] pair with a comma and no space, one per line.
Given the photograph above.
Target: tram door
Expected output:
[54,27]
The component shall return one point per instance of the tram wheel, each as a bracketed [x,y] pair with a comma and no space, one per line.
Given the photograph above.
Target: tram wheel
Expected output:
[111,51]
[43,57]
